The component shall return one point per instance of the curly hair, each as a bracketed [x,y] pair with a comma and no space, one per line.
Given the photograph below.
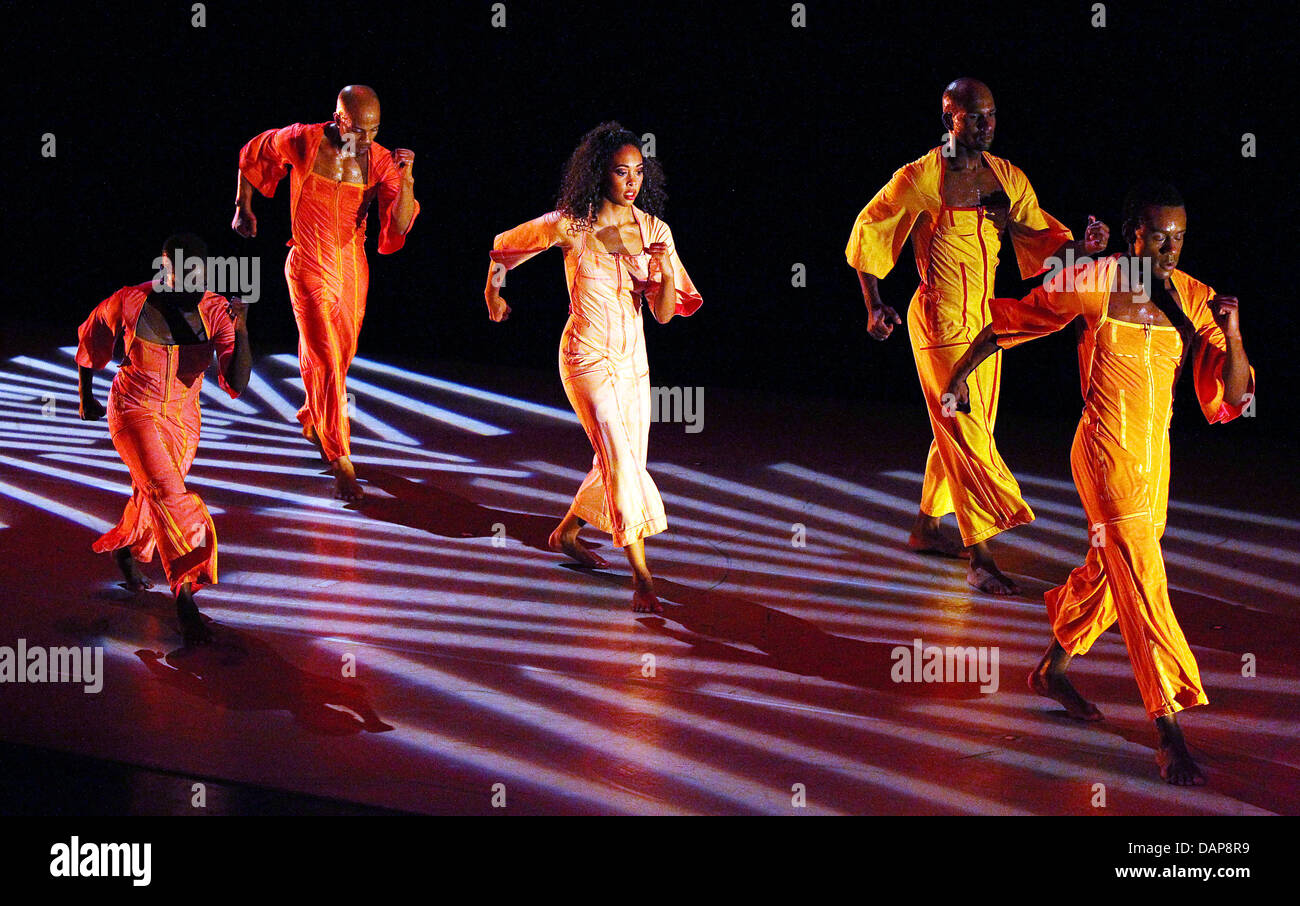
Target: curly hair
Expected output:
[583,187]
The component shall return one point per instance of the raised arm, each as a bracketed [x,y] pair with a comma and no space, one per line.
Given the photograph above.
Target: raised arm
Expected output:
[397,205]
[514,247]
[671,291]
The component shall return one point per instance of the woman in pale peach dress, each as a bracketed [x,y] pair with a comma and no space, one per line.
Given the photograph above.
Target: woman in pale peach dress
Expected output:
[616,255]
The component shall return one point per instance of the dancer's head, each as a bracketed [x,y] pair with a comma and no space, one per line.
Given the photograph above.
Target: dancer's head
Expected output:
[357,113]
[608,166]
[1155,223]
[192,254]
[970,114]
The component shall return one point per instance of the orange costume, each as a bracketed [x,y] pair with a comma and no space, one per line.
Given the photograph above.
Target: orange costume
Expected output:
[603,364]
[153,417]
[1120,461]
[327,271]
[956,255]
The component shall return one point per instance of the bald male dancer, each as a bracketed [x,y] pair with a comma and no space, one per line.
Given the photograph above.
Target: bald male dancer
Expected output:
[338,171]
[957,202]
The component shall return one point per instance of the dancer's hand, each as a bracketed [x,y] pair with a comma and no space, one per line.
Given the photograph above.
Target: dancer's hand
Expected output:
[957,396]
[405,160]
[881,321]
[91,410]
[1224,309]
[658,252]
[498,310]
[1096,236]
[245,223]
[237,308]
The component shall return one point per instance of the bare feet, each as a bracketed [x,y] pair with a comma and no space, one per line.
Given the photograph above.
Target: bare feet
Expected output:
[309,432]
[1049,680]
[135,580]
[345,480]
[985,575]
[926,538]
[194,630]
[644,599]
[564,540]
[1176,765]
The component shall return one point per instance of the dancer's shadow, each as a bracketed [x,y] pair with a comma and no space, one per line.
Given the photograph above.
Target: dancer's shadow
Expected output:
[429,508]
[788,643]
[242,673]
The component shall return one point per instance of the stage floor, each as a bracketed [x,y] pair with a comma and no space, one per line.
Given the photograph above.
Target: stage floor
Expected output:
[511,680]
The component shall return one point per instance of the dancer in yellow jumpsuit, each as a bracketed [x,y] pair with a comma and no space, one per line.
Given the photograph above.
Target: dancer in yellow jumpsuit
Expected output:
[956,202]
[1138,331]
[616,256]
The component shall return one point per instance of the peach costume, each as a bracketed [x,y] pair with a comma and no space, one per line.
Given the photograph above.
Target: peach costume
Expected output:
[956,252]
[603,364]
[1120,461]
[326,270]
[153,417]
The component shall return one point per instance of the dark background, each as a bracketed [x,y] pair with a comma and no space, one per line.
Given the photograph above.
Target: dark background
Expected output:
[773,138]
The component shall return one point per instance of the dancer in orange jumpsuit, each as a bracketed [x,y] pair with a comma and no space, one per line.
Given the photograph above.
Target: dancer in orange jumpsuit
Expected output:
[338,169]
[1138,331]
[957,202]
[615,255]
[169,336]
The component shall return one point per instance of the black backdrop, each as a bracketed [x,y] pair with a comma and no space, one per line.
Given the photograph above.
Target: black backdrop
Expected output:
[773,138]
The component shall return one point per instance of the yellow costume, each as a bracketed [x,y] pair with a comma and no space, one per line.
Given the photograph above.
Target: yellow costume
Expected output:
[1120,461]
[956,255]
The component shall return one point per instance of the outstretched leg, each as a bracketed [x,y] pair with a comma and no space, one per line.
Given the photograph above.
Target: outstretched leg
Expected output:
[1048,679]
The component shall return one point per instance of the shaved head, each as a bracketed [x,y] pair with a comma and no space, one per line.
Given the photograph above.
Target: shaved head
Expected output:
[358,103]
[965,95]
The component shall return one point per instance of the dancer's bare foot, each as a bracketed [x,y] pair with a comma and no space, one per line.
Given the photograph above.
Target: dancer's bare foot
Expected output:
[135,580]
[309,432]
[985,575]
[644,599]
[565,540]
[1050,681]
[926,538]
[1176,764]
[345,480]
[194,630]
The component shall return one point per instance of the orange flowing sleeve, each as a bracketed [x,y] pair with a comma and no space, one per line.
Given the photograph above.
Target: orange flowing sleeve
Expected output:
[882,227]
[266,159]
[390,186]
[513,247]
[688,297]
[1035,233]
[1052,306]
[98,333]
[1209,357]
